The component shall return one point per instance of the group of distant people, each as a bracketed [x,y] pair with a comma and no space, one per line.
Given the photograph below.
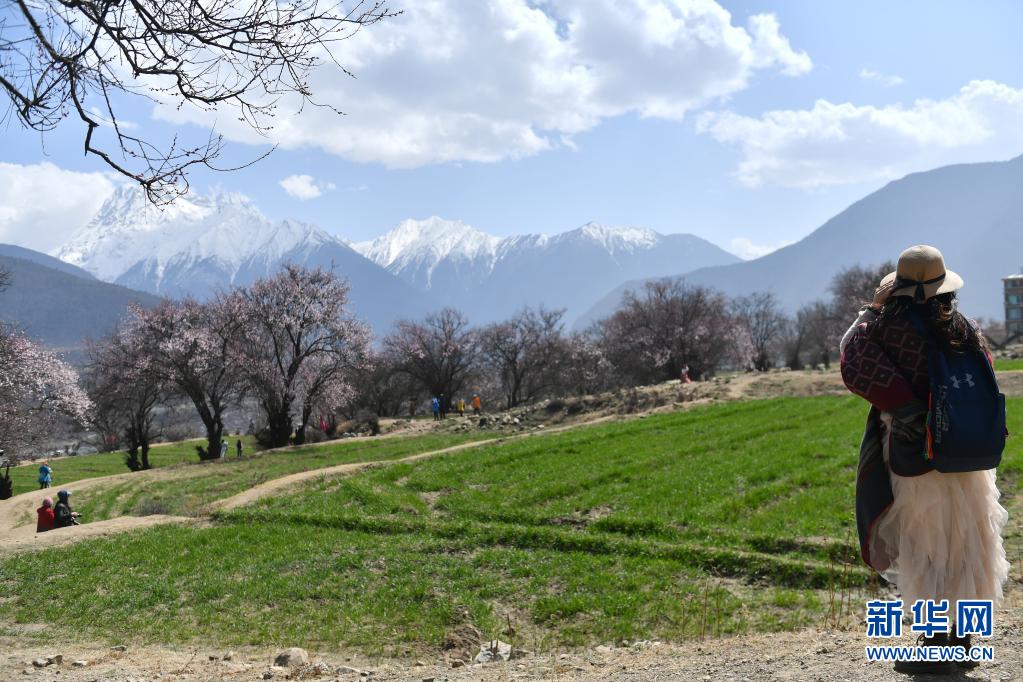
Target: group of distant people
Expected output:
[441,406]
[58,515]
[224,448]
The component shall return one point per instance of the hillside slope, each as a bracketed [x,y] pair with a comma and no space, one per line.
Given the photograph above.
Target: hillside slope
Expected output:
[61,309]
[972,212]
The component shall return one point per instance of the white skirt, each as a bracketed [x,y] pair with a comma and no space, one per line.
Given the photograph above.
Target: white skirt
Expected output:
[944,534]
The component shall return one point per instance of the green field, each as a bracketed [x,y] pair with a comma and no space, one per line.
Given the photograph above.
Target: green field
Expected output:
[190,490]
[1008,365]
[67,470]
[723,518]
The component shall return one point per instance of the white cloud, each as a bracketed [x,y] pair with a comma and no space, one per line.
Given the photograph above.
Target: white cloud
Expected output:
[884,79]
[41,204]
[305,186]
[747,250]
[455,81]
[834,144]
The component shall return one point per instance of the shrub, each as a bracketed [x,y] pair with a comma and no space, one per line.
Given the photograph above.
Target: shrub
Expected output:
[366,421]
[555,405]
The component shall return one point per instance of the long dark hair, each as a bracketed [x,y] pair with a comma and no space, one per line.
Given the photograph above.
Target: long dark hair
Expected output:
[954,332]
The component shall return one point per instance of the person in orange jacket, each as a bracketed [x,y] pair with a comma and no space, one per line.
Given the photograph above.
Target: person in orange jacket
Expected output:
[477,404]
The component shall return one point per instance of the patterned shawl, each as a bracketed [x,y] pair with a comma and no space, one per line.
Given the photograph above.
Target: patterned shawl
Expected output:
[887,366]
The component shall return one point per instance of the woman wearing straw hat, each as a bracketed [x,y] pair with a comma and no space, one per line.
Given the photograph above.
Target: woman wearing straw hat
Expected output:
[934,535]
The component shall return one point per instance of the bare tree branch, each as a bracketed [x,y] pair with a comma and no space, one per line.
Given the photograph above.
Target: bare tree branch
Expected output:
[82,59]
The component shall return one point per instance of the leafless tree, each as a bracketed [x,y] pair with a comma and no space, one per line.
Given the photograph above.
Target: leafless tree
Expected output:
[669,325]
[441,353]
[853,288]
[820,328]
[761,319]
[84,59]
[528,352]
[382,388]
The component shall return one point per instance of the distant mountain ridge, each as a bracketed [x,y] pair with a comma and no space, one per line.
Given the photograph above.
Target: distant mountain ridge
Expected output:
[202,244]
[491,277]
[12,251]
[972,212]
[60,307]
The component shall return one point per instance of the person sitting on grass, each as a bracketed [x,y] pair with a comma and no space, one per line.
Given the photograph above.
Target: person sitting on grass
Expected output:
[63,515]
[44,521]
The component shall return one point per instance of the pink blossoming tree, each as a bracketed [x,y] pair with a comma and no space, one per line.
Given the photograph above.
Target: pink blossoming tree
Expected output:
[191,348]
[299,348]
[126,386]
[37,390]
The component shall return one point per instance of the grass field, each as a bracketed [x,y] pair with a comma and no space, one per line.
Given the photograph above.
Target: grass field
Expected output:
[188,492]
[1008,365]
[720,519]
[67,470]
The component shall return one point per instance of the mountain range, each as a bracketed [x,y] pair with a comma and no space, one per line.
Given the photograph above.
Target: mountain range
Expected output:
[202,244]
[490,278]
[131,251]
[972,212]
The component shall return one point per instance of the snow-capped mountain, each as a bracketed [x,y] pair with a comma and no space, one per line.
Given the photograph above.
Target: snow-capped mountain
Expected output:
[129,239]
[490,277]
[434,253]
[202,244]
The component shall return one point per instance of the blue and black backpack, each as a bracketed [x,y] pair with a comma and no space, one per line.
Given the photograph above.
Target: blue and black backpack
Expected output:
[966,411]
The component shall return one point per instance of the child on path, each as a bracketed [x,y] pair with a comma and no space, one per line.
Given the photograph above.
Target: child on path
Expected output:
[45,475]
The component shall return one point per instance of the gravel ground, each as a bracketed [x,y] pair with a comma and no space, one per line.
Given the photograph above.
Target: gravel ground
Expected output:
[829,656]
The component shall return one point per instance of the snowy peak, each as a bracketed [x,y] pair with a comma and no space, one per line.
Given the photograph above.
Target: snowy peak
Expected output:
[433,239]
[615,239]
[416,249]
[224,228]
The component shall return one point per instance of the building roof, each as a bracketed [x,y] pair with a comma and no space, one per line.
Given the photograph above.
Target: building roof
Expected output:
[1008,277]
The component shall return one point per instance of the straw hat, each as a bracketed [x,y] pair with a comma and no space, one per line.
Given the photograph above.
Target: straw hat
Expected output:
[921,273]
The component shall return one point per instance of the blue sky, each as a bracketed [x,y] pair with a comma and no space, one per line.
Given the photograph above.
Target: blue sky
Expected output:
[665,131]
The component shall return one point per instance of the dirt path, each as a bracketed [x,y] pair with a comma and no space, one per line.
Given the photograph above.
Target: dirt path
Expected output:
[17,536]
[21,508]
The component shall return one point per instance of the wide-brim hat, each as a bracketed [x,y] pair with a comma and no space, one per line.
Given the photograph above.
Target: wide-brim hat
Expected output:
[921,274]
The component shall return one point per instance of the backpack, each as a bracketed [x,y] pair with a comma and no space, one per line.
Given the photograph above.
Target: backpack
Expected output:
[965,410]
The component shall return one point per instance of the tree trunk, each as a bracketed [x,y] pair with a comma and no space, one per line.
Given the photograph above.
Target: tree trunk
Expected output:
[214,435]
[278,430]
[145,455]
[132,460]
[6,484]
